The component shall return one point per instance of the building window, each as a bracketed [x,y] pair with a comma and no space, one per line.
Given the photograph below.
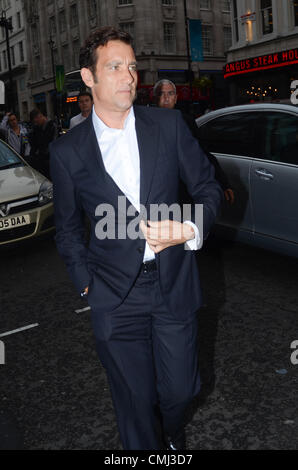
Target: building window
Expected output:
[65,58]
[62,22]
[56,57]
[73,15]
[124,2]
[235,20]
[295,7]
[92,8]
[76,54]
[169,36]
[21,51]
[19,22]
[35,39]
[128,28]
[205,5]
[38,68]
[207,39]
[22,84]
[227,38]
[266,11]
[170,3]
[226,7]
[12,56]
[52,26]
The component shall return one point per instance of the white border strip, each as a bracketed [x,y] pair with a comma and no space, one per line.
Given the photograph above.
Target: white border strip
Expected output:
[18,329]
[83,310]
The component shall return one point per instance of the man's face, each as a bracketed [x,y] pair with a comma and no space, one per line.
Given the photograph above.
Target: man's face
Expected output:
[167,96]
[115,81]
[85,104]
[12,121]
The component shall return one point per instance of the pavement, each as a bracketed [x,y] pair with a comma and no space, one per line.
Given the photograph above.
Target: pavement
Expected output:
[54,393]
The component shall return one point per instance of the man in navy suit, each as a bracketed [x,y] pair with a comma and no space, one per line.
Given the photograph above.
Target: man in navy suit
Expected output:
[144,291]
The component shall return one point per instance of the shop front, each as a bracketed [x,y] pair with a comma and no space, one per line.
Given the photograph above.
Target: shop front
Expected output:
[265,78]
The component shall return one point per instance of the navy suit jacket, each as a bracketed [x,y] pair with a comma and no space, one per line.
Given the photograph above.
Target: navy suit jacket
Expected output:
[168,153]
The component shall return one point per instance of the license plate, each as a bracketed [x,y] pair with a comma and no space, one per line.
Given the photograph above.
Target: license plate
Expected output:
[13,222]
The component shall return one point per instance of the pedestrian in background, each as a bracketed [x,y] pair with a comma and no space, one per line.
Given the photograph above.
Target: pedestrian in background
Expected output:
[85,102]
[43,133]
[15,134]
[166,97]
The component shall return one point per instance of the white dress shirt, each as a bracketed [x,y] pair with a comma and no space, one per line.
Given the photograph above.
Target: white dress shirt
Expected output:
[121,158]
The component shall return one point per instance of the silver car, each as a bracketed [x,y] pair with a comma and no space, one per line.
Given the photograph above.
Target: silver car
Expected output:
[26,199]
[256,145]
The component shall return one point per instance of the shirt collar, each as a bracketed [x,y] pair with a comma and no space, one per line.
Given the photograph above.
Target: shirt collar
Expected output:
[100,126]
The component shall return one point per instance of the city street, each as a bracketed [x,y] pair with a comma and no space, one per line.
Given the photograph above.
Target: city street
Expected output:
[55,389]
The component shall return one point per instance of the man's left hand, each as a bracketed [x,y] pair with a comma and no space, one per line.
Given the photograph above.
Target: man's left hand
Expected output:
[161,235]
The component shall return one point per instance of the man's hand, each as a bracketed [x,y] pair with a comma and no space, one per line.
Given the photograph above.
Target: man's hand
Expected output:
[161,235]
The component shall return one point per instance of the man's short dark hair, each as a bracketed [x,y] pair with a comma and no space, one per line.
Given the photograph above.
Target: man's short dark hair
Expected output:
[34,113]
[85,93]
[100,37]
[13,114]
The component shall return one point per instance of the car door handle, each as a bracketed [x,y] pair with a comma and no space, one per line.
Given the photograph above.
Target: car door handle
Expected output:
[264,174]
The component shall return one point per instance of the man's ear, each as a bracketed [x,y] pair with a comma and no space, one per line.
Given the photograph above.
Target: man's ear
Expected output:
[87,77]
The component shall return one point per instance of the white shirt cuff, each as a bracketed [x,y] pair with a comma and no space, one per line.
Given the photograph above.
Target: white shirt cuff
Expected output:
[194,243]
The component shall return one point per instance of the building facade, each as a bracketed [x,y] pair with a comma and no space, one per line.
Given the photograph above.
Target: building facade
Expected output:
[263,60]
[13,12]
[57,29]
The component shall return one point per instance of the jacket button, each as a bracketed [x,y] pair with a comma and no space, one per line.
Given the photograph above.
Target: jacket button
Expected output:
[140,250]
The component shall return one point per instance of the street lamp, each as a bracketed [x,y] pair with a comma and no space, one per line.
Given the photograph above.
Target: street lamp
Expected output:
[7,24]
[188,49]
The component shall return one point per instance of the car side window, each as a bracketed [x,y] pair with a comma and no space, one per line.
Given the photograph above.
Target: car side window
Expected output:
[280,137]
[231,134]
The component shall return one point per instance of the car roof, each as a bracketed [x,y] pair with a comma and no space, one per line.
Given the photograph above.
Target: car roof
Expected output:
[248,107]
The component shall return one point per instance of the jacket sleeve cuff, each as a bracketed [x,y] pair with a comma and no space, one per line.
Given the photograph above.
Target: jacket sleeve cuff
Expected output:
[80,277]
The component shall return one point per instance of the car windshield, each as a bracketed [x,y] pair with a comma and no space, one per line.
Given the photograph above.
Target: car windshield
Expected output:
[8,159]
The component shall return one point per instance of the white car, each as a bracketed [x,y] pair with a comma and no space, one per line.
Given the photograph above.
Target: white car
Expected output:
[26,199]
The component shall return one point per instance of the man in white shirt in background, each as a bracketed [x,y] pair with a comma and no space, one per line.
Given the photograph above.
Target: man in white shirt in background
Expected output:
[85,102]
[15,134]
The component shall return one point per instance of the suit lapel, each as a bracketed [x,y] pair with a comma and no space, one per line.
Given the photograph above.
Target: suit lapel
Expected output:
[89,151]
[93,160]
[148,137]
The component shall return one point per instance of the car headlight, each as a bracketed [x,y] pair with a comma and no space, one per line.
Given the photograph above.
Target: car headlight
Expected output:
[45,193]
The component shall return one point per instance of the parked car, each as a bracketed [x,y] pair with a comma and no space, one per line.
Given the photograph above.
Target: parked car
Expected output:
[257,147]
[26,199]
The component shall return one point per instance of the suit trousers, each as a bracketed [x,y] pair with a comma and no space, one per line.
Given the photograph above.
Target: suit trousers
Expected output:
[151,362]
